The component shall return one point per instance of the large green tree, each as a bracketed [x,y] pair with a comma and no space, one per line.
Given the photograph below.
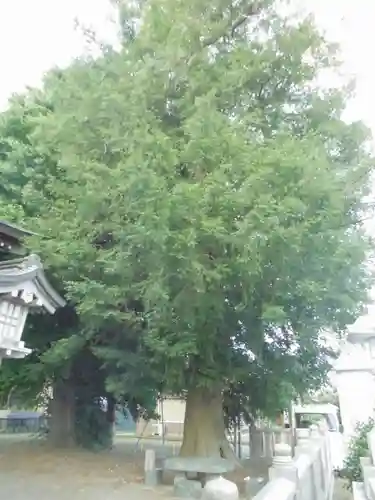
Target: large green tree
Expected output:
[63,357]
[205,212]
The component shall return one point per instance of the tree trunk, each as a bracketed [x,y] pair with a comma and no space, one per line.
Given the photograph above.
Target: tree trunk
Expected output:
[111,419]
[62,422]
[204,429]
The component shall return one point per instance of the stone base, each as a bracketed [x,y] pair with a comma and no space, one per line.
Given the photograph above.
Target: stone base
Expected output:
[220,489]
[186,488]
[153,477]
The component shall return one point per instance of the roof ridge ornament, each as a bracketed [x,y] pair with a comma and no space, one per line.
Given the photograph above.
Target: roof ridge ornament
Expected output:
[33,260]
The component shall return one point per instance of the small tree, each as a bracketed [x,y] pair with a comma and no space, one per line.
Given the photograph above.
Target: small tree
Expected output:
[358,448]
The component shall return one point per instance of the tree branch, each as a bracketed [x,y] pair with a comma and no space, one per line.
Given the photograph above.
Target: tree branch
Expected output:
[251,10]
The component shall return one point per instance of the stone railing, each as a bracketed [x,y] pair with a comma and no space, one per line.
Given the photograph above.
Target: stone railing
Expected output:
[305,476]
[263,441]
[366,489]
[256,443]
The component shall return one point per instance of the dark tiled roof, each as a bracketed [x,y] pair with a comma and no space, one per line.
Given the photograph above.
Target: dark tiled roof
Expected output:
[13,231]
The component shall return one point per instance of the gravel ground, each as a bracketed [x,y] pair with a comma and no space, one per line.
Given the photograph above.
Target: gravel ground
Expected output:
[45,487]
[341,493]
[29,470]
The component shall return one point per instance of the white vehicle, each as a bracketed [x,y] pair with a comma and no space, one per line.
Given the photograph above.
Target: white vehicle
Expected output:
[305,416]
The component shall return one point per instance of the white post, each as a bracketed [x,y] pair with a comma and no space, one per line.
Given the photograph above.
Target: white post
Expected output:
[282,464]
[303,441]
[292,426]
[303,436]
[268,443]
[151,478]
[368,479]
[315,432]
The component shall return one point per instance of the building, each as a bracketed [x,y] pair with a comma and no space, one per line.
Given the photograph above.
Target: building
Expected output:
[11,240]
[23,287]
[354,373]
[171,411]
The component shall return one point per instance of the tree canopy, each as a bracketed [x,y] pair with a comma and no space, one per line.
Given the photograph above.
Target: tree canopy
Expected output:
[200,199]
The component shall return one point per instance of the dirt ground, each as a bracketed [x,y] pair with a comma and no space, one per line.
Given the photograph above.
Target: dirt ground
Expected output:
[341,492]
[30,470]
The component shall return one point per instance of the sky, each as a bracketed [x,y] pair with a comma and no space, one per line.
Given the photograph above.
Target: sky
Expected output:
[351,23]
[36,35]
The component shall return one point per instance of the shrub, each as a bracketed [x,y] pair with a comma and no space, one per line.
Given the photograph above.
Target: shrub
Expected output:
[358,447]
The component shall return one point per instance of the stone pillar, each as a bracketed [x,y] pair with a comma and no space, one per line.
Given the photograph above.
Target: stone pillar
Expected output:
[256,443]
[320,474]
[303,442]
[368,471]
[303,436]
[315,432]
[220,489]
[282,464]
[268,443]
[151,477]
[286,437]
[316,439]
[326,448]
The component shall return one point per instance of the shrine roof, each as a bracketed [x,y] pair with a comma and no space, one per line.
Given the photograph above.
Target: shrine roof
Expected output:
[11,238]
[28,273]
[364,327]
[14,231]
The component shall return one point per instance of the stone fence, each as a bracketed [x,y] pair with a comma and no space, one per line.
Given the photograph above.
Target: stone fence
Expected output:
[262,441]
[306,474]
[256,442]
[366,489]
[300,468]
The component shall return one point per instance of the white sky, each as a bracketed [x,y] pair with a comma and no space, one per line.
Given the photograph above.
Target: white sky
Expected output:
[36,35]
[351,23]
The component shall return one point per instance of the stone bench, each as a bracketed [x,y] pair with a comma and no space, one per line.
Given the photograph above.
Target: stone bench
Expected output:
[191,466]
[192,473]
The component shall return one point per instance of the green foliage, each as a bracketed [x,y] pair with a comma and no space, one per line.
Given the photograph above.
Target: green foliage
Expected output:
[358,448]
[325,395]
[200,198]
[92,428]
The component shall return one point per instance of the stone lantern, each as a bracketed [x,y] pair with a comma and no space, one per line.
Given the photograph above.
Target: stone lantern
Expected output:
[23,287]
[354,373]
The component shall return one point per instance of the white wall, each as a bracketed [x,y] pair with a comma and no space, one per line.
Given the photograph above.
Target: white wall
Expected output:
[356,391]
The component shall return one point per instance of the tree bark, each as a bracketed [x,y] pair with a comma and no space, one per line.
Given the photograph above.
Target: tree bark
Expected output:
[204,429]
[111,419]
[62,421]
